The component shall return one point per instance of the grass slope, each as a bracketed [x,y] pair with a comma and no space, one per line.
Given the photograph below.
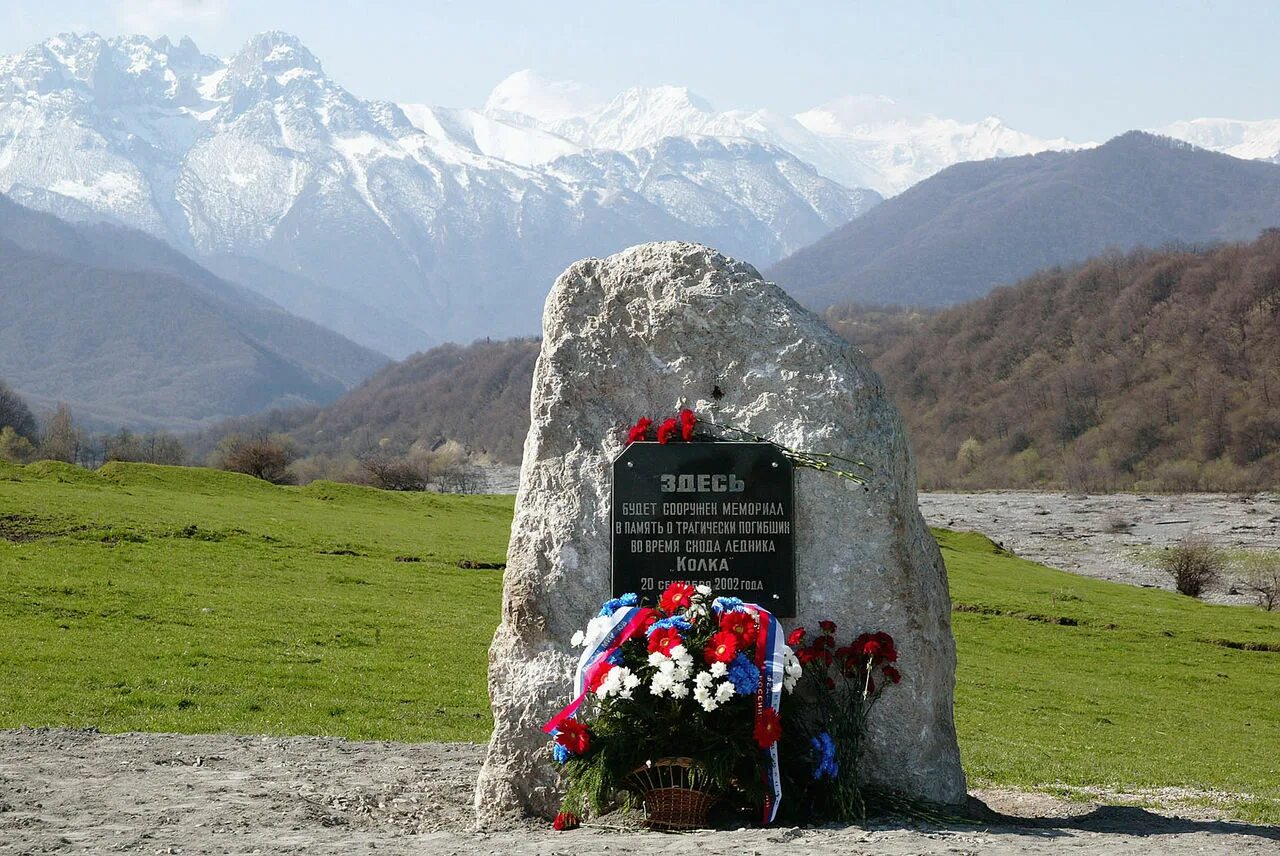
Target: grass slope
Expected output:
[173,599]
[190,600]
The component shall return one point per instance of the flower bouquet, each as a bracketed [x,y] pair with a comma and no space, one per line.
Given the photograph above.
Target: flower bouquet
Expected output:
[826,721]
[682,701]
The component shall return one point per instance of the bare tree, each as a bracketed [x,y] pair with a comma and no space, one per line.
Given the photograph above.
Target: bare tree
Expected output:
[1262,577]
[61,441]
[394,472]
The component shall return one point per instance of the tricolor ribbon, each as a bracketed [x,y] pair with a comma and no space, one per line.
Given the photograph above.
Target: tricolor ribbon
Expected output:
[626,622]
[770,661]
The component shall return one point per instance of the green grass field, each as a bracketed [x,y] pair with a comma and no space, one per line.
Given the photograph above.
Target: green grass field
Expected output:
[152,598]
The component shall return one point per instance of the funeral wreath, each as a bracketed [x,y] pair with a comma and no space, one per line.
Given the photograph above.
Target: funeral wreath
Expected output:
[677,708]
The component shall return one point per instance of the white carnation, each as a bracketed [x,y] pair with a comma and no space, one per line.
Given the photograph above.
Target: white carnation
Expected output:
[719,670]
[596,629]
[724,692]
[704,697]
[679,690]
[578,638]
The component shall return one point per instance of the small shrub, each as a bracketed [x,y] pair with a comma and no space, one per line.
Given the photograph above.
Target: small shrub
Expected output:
[1262,578]
[395,473]
[1118,525]
[266,458]
[1194,563]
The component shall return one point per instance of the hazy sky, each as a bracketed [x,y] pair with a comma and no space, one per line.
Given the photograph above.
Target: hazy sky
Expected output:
[1084,69]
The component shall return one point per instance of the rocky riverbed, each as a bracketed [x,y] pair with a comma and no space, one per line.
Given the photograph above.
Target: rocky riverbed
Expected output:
[65,791]
[1113,536]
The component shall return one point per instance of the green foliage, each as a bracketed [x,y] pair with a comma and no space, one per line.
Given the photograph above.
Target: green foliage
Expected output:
[15,448]
[1062,681]
[15,414]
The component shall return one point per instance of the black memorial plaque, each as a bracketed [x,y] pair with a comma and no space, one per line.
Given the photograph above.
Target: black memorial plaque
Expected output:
[719,514]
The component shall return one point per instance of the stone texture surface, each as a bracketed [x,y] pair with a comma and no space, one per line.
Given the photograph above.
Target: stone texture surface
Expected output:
[647,331]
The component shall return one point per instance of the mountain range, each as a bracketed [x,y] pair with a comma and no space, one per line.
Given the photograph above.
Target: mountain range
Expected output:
[128,331]
[978,225]
[344,211]
[404,225]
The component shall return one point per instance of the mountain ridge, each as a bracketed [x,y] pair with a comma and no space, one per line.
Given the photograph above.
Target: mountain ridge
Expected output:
[130,332]
[978,225]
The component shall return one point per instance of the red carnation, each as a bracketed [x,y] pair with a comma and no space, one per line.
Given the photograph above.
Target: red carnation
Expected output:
[640,430]
[741,624]
[831,684]
[892,674]
[664,639]
[795,638]
[828,627]
[722,648]
[565,820]
[805,656]
[822,643]
[687,421]
[677,596]
[596,678]
[887,649]
[574,736]
[768,728]
[666,430]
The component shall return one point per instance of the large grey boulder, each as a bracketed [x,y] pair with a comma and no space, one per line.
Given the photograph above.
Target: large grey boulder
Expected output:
[644,332]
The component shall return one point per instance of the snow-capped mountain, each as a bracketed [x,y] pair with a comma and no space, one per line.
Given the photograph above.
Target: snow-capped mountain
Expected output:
[857,141]
[1251,140]
[397,227]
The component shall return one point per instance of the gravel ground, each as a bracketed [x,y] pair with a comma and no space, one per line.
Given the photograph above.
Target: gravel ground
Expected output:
[1108,536]
[65,791]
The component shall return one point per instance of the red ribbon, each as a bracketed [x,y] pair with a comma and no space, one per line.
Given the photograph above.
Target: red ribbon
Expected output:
[762,655]
[638,621]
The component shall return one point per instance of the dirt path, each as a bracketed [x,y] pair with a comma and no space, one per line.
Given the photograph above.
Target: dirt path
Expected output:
[81,792]
[1105,536]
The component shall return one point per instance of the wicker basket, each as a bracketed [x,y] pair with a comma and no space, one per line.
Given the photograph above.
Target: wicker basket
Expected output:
[676,793]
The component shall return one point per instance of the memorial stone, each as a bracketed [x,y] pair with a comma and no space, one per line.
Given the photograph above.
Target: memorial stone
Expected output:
[669,325]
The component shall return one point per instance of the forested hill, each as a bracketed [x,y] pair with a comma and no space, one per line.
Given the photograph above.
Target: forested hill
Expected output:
[476,394]
[1155,370]
[979,225]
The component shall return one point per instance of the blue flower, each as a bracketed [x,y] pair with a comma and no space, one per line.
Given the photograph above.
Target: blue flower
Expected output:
[725,604]
[560,753]
[744,675]
[824,757]
[678,622]
[612,606]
